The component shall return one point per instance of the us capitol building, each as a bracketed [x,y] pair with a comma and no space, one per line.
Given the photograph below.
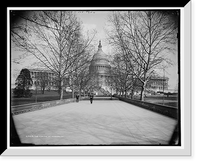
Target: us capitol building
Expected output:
[99,69]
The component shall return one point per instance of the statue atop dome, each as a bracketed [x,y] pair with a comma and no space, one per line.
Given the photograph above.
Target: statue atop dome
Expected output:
[99,46]
[100,56]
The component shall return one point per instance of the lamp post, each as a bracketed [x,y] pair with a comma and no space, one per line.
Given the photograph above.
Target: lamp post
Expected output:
[163,84]
[111,91]
[72,87]
[36,92]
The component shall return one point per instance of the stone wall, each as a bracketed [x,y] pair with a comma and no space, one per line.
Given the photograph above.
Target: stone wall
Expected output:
[15,110]
[164,110]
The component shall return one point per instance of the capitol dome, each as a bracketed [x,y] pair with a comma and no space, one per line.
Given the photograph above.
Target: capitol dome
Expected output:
[100,58]
[99,63]
[100,68]
[100,72]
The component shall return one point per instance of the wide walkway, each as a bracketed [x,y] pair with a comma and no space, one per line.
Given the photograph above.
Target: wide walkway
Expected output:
[105,122]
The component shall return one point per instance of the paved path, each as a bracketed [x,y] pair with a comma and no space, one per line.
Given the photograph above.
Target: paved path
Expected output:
[101,123]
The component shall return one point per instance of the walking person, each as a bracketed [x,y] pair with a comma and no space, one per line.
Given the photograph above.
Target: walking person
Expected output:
[77,98]
[91,98]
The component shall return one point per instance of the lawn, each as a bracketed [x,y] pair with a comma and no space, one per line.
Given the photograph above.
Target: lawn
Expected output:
[53,95]
[159,99]
[168,101]
[39,97]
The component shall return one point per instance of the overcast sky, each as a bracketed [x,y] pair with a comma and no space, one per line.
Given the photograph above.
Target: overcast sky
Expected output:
[93,20]
[96,20]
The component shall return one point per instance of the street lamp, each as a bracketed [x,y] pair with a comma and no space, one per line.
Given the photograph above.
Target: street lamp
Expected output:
[72,84]
[163,84]
[36,92]
[111,91]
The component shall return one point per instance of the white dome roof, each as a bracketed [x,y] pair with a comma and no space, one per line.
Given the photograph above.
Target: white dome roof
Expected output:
[100,58]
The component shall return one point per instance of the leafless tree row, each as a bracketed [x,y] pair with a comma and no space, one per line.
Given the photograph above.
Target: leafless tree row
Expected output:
[142,40]
[55,38]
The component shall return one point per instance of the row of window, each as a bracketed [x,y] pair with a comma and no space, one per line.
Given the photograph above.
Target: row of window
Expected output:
[104,76]
[45,74]
[156,83]
[158,87]
[46,83]
[99,67]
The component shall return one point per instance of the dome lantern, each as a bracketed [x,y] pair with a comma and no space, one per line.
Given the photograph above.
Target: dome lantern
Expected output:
[99,46]
[100,59]
[100,56]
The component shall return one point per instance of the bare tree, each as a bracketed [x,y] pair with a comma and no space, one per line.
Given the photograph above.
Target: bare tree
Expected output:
[82,78]
[144,38]
[43,80]
[119,75]
[55,39]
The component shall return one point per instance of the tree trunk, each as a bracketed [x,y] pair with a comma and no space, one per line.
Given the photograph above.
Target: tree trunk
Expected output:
[142,94]
[120,93]
[79,93]
[125,93]
[84,93]
[142,91]
[132,90]
[61,94]
[61,89]
[72,91]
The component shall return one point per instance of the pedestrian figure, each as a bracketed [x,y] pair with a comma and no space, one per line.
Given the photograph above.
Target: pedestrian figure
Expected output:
[91,98]
[77,98]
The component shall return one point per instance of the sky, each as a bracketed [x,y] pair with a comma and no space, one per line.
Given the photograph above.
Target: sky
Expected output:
[97,20]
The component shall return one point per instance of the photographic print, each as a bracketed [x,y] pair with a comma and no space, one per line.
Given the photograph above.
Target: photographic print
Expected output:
[95,78]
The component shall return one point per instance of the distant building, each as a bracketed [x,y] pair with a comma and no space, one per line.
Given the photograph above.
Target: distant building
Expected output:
[99,68]
[40,76]
[158,83]
[46,76]
[155,85]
